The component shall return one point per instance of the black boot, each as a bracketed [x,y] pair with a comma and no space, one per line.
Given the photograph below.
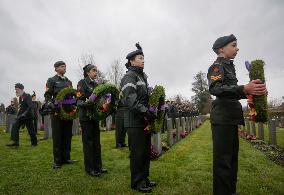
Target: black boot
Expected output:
[12,143]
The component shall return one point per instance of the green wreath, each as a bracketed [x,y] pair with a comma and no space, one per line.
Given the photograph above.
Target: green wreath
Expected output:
[66,102]
[103,100]
[156,102]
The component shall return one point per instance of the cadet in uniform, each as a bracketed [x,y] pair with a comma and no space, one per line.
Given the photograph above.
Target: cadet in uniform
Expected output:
[227,113]
[90,127]
[135,97]
[24,117]
[120,131]
[61,129]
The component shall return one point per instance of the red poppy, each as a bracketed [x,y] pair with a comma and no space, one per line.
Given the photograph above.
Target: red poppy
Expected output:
[216,69]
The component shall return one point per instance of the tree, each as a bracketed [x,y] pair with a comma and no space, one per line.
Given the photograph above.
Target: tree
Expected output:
[202,98]
[115,73]
[89,58]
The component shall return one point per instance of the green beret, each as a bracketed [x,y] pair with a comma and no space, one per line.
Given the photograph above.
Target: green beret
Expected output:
[58,63]
[132,54]
[223,41]
[19,86]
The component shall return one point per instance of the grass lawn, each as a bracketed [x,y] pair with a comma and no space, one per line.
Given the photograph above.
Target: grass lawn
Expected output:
[184,169]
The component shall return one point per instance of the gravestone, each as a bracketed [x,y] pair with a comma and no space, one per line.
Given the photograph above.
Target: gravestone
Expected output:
[75,127]
[178,129]
[261,131]
[272,132]
[157,143]
[169,132]
[253,128]
[2,118]
[182,125]
[247,122]
[47,127]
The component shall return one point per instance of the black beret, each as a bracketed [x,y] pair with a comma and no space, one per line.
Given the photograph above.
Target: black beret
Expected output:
[19,85]
[58,63]
[89,67]
[223,41]
[135,53]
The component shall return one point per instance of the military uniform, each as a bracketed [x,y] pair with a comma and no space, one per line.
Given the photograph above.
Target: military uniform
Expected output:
[135,99]
[24,117]
[11,109]
[226,115]
[90,129]
[120,131]
[35,108]
[61,129]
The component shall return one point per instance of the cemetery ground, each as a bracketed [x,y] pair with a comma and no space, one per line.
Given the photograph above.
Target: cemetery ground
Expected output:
[185,169]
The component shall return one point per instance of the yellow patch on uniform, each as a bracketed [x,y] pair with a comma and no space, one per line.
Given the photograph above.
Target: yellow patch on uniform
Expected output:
[215,78]
[78,94]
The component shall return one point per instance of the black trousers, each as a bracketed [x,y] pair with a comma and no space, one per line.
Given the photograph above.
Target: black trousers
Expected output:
[35,124]
[62,136]
[140,150]
[16,128]
[120,131]
[225,158]
[91,145]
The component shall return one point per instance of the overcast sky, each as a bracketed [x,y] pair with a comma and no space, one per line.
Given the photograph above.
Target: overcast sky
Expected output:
[176,37]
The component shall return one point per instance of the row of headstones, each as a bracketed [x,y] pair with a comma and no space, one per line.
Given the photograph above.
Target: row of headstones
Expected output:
[183,124]
[48,129]
[250,128]
[9,120]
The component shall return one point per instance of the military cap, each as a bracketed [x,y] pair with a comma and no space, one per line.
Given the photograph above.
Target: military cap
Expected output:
[135,53]
[19,86]
[223,41]
[58,63]
[89,67]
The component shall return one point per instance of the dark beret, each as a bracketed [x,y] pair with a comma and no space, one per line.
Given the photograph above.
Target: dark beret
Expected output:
[58,63]
[19,85]
[223,41]
[132,54]
[89,67]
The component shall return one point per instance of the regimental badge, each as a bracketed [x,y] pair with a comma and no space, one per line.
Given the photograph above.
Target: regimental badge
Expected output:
[215,78]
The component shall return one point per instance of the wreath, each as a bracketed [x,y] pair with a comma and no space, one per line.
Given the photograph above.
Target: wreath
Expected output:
[103,101]
[257,104]
[66,101]
[156,102]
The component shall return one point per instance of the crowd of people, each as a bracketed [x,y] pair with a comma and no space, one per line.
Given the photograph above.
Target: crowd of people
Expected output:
[134,114]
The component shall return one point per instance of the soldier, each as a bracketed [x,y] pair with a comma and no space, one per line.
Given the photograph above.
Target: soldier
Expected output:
[11,109]
[24,117]
[35,109]
[135,97]
[90,127]
[227,113]
[61,129]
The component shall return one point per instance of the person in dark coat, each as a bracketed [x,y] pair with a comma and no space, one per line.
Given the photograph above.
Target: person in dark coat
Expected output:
[227,113]
[11,109]
[61,129]
[24,117]
[135,98]
[35,110]
[90,127]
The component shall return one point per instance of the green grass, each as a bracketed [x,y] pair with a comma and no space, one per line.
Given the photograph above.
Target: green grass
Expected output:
[185,169]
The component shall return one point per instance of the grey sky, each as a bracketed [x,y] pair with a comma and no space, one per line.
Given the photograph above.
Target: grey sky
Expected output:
[176,36]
